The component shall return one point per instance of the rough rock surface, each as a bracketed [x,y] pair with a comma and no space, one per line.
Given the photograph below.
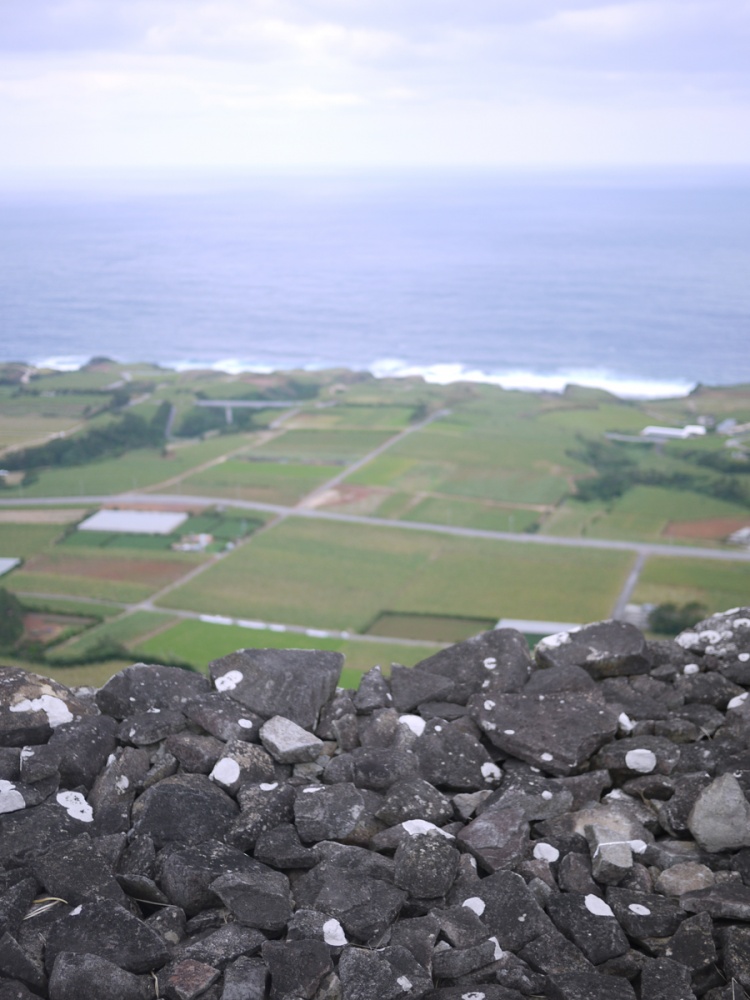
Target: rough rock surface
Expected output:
[486,826]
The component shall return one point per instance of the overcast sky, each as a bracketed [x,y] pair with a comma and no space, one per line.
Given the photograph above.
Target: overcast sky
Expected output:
[299,83]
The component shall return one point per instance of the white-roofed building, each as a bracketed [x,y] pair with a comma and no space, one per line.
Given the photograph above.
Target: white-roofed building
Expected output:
[135,522]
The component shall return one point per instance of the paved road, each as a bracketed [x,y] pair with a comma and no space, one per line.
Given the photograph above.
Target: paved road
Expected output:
[644,548]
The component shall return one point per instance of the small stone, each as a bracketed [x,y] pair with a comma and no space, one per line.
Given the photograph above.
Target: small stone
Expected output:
[663,979]
[426,865]
[686,877]
[245,979]
[720,818]
[258,897]
[588,986]
[76,976]
[144,686]
[590,924]
[187,808]
[186,979]
[289,743]
[296,967]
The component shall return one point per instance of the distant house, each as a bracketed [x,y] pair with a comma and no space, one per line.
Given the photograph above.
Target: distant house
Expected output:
[676,433]
[193,543]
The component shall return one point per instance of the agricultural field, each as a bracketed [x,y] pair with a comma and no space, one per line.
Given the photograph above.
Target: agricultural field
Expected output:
[389,478]
[342,576]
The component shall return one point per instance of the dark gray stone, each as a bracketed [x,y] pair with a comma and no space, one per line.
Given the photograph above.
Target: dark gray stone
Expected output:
[497,838]
[195,754]
[330,813]
[645,915]
[150,727]
[604,649]
[590,923]
[245,979]
[78,976]
[296,967]
[381,975]
[224,945]
[511,913]
[373,692]
[15,963]
[454,963]
[663,979]
[410,686]
[735,948]
[426,865]
[722,902]
[31,707]
[556,733]
[142,687]
[588,986]
[414,798]
[76,871]
[186,808]
[282,848]
[692,944]
[115,789]
[185,873]
[15,904]
[451,759]
[223,717]
[295,683]
[110,932]
[499,659]
[552,954]
[258,897]
[263,807]
[82,749]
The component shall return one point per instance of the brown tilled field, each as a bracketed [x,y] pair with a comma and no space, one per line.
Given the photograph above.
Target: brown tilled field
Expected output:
[709,528]
[158,572]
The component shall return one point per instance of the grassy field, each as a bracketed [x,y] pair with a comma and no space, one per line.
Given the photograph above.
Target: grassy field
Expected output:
[643,513]
[200,642]
[388,418]
[125,631]
[335,446]
[471,514]
[327,575]
[718,586]
[114,575]
[267,482]
[134,470]
[22,540]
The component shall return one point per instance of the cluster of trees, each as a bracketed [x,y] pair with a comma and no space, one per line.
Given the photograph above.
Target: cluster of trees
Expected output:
[202,419]
[617,472]
[669,619]
[11,619]
[110,440]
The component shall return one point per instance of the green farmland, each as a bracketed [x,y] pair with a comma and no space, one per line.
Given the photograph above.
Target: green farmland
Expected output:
[406,515]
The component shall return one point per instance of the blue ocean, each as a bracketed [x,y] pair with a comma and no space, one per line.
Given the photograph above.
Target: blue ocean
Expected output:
[635,281]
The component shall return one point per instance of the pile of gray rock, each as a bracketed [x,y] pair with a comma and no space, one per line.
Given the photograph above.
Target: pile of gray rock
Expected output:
[488,825]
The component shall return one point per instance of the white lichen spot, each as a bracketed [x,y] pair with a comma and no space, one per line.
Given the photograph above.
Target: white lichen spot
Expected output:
[553,641]
[27,753]
[473,996]
[490,663]
[491,772]
[438,729]
[738,701]
[744,657]
[740,623]
[404,983]
[333,933]
[488,705]
[641,760]
[473,863]
[498,950]
[229,680]
[268,786]
[547,756]
[75,912]
[11,799]
[76,806]
[312,788]
[226,771]
[153,711]
[638,846]
[122,784]
[475,904]
[546,795]
[245,723]
[509,732]
[415,827]
[55,708]
[688,639]
[389,696]
[639,910]
[597,906]
[691,668]
[415,722]
[546,852]
[626,723]
[110,760]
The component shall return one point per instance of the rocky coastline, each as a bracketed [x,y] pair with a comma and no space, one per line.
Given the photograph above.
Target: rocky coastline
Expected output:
[492,824]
